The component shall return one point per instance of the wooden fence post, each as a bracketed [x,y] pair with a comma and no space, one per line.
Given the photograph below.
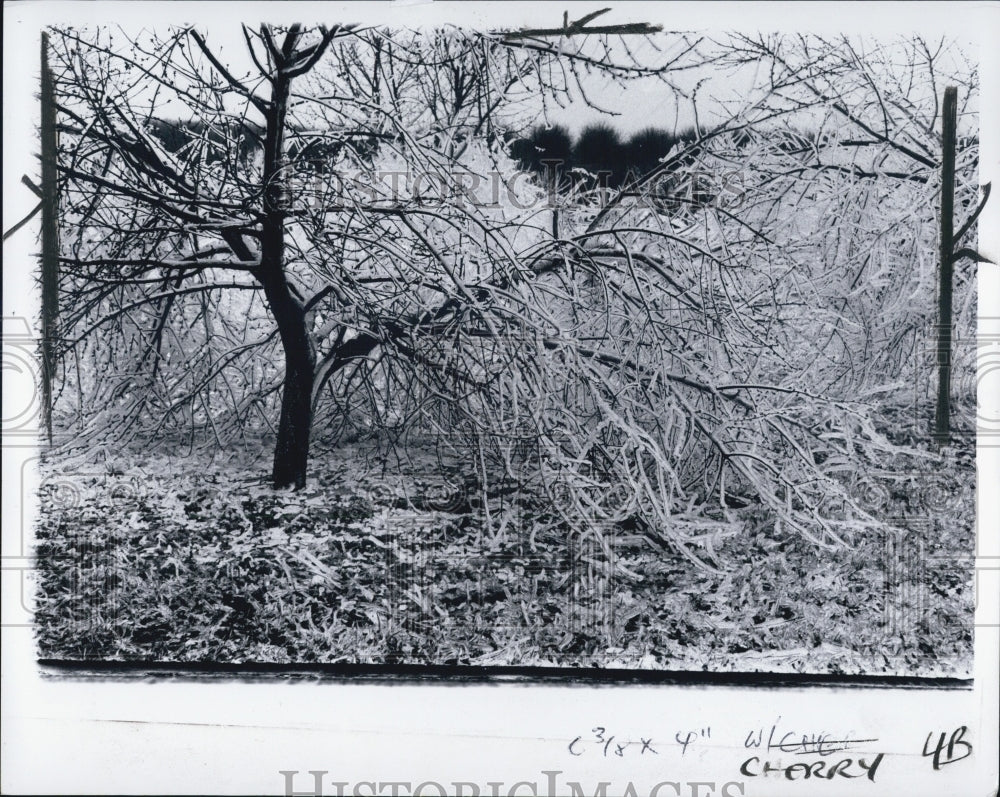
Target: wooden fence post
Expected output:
[50,235]
[942,425]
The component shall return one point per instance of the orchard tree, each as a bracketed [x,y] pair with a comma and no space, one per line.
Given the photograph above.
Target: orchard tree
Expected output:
[183,180]
[852,128]
[339,223]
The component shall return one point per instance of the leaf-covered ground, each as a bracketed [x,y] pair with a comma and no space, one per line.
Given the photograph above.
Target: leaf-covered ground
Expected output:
[192,558]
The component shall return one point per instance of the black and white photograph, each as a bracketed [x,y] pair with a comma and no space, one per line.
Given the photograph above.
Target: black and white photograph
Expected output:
[628,349]
[588,345]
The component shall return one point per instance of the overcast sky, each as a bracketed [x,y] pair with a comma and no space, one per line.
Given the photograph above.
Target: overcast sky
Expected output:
[659,104]
[648,102]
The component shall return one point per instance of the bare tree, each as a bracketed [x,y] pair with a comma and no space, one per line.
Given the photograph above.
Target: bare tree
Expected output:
[350,199]
[151,222]
[870,159]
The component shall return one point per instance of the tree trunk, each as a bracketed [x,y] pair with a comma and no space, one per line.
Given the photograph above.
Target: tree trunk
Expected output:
[291,451]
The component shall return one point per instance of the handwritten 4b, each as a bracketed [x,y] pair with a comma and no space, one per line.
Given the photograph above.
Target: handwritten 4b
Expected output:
[954,750]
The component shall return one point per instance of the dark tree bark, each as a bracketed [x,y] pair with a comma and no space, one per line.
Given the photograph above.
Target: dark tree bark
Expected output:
[291,452]
[942,418]
[50,236]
